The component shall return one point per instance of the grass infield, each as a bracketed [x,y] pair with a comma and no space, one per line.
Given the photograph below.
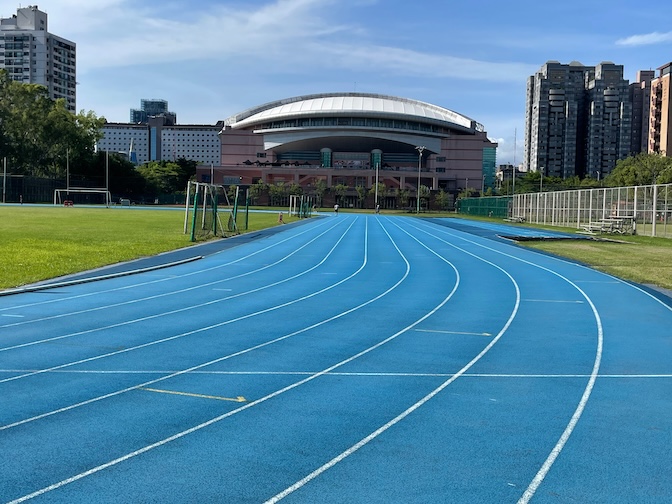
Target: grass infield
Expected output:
[640,259]
[37,243]
[42,242]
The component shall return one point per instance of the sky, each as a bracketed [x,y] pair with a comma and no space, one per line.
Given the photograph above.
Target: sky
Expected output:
[214,58]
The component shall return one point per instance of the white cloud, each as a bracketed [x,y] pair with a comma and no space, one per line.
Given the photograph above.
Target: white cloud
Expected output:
[646,39]
[277,35]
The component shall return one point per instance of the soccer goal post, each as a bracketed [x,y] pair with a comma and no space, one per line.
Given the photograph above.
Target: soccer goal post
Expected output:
[62,196]
[202,214]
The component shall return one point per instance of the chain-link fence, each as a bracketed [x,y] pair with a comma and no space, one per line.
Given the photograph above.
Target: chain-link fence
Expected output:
[645,210]
[492,206]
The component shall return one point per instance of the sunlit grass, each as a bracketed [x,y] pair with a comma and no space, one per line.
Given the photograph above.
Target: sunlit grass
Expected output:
[37,243]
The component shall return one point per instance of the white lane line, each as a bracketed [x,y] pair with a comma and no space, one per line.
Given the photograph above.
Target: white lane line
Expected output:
[307,479]
[378,374]
[553,455]
[13,316]
[164,294]
[263,399]
[453,332]
[574,301]
[172,312]
[177,336]
[197,272]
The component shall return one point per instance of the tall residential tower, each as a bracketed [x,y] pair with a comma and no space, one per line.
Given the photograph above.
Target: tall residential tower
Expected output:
[578,119]
[31,54]
[660,116]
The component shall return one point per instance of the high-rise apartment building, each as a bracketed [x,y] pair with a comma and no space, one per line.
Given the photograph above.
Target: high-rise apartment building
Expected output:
[640,96]
[553,119]
[608,119]
[31,54]
[578,119]
[153,108]
[660,118]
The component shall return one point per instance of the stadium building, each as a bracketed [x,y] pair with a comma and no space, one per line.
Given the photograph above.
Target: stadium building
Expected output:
[350,139]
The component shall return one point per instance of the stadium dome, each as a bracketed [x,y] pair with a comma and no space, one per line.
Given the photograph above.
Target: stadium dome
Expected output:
[352,138]
[354,104]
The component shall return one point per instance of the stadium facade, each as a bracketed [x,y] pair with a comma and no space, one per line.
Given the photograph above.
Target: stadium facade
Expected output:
[350,139]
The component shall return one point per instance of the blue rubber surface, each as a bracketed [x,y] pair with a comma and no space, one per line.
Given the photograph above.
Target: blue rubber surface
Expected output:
[349,359]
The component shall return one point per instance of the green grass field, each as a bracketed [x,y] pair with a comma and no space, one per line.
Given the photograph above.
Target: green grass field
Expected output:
[37,243]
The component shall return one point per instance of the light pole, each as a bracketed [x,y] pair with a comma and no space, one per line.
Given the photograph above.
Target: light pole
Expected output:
[541,179]
[419,149]
[375,203]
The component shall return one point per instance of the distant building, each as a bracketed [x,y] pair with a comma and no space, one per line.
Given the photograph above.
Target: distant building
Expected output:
[153,108]
[640,96]
[578,119]
[158,141]
[32,55]
[660,118]
[352,138]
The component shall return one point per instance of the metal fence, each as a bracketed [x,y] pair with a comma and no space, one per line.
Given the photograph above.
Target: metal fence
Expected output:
[493,206]
[648,208]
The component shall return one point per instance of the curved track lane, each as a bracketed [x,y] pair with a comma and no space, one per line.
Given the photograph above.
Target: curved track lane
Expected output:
[352,359]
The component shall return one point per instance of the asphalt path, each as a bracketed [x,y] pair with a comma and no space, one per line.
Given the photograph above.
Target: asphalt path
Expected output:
[349,359]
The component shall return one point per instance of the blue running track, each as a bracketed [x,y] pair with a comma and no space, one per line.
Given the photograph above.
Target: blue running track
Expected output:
[350,359]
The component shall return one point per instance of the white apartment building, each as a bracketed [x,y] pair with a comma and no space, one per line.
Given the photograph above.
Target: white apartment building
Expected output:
[31,54]
[131,140]
[156,142]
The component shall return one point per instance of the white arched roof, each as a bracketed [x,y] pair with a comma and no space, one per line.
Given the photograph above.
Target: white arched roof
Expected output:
[351,104]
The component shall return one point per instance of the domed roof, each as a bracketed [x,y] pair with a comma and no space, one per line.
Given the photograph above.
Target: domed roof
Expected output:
[350,104]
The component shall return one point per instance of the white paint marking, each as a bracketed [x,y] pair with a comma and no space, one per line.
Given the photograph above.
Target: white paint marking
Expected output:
[14,316]
[454,332]
[576,301]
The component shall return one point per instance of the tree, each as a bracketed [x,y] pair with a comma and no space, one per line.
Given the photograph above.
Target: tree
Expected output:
[642,169]
[162,177]
[339,191]
[39,136]
[320,187]
[277,192]
[382,191]
[361,195]
[424,193]
[442,199]
[257,190]
[403,196]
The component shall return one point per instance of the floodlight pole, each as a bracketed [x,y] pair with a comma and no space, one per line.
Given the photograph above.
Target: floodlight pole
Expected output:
[67,170]
[4,179]
[419,149]
[107,178]
[541,180]
[375,203]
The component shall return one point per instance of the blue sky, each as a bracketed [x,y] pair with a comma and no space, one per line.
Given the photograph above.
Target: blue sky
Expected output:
[211,59]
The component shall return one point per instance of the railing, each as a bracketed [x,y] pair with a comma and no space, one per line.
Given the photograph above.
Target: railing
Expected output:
[649,208]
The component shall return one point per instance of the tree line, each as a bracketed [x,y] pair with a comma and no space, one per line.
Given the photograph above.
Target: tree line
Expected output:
[40,138]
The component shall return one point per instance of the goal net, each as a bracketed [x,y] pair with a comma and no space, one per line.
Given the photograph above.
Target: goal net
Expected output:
[209,212]
[82,195]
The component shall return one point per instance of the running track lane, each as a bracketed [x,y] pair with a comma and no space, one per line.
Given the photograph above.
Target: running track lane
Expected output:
[388,359]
